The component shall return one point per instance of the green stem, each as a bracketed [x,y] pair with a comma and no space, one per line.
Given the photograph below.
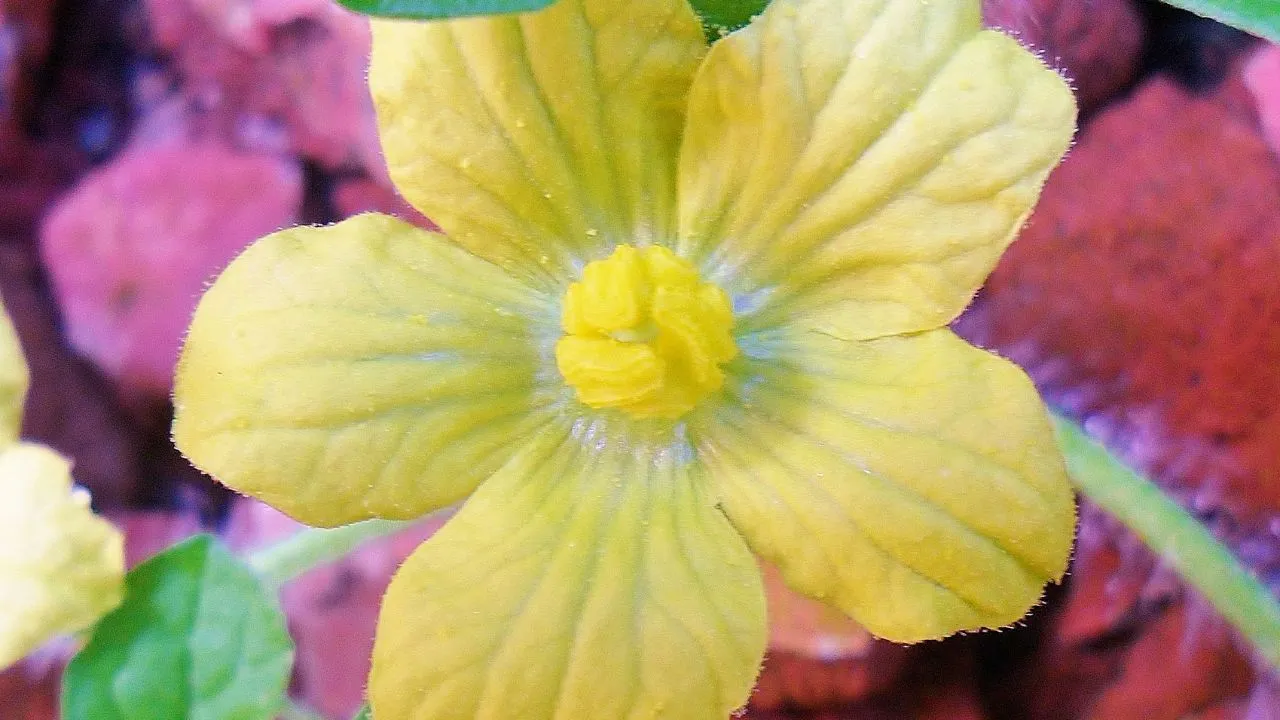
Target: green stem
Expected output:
[1177,537]
[310,547]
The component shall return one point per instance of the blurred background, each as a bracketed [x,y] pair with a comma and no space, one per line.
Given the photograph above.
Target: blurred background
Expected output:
[143,143]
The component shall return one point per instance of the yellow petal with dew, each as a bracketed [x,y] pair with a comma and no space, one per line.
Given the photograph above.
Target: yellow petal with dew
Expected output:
[365,369]
[911,481]
[14,380]
[591,577]
[61,566]
[539,140]
[864,164]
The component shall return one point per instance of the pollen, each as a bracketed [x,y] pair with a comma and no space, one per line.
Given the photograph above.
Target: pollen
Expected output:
[644,334]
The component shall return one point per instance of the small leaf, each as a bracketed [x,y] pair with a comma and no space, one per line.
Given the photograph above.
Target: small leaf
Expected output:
[436,9]
[364,713]
[721,17]
[1259,17]
[195,638]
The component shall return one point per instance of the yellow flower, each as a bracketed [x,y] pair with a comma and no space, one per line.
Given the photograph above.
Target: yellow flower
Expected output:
[61,566]
[691,306]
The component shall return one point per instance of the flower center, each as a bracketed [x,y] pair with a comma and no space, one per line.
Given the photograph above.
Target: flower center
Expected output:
[644,334]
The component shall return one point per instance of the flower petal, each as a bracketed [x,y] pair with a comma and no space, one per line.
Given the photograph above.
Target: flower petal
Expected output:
[911,481]
[14,380]
[539,140]
[589,578]
[865,163]
[61,566]
[366,369]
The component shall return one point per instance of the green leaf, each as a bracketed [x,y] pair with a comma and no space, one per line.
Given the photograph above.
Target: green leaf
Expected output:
[436,9]
[721,17]
[1259,17]
[196,638]
[364,713]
